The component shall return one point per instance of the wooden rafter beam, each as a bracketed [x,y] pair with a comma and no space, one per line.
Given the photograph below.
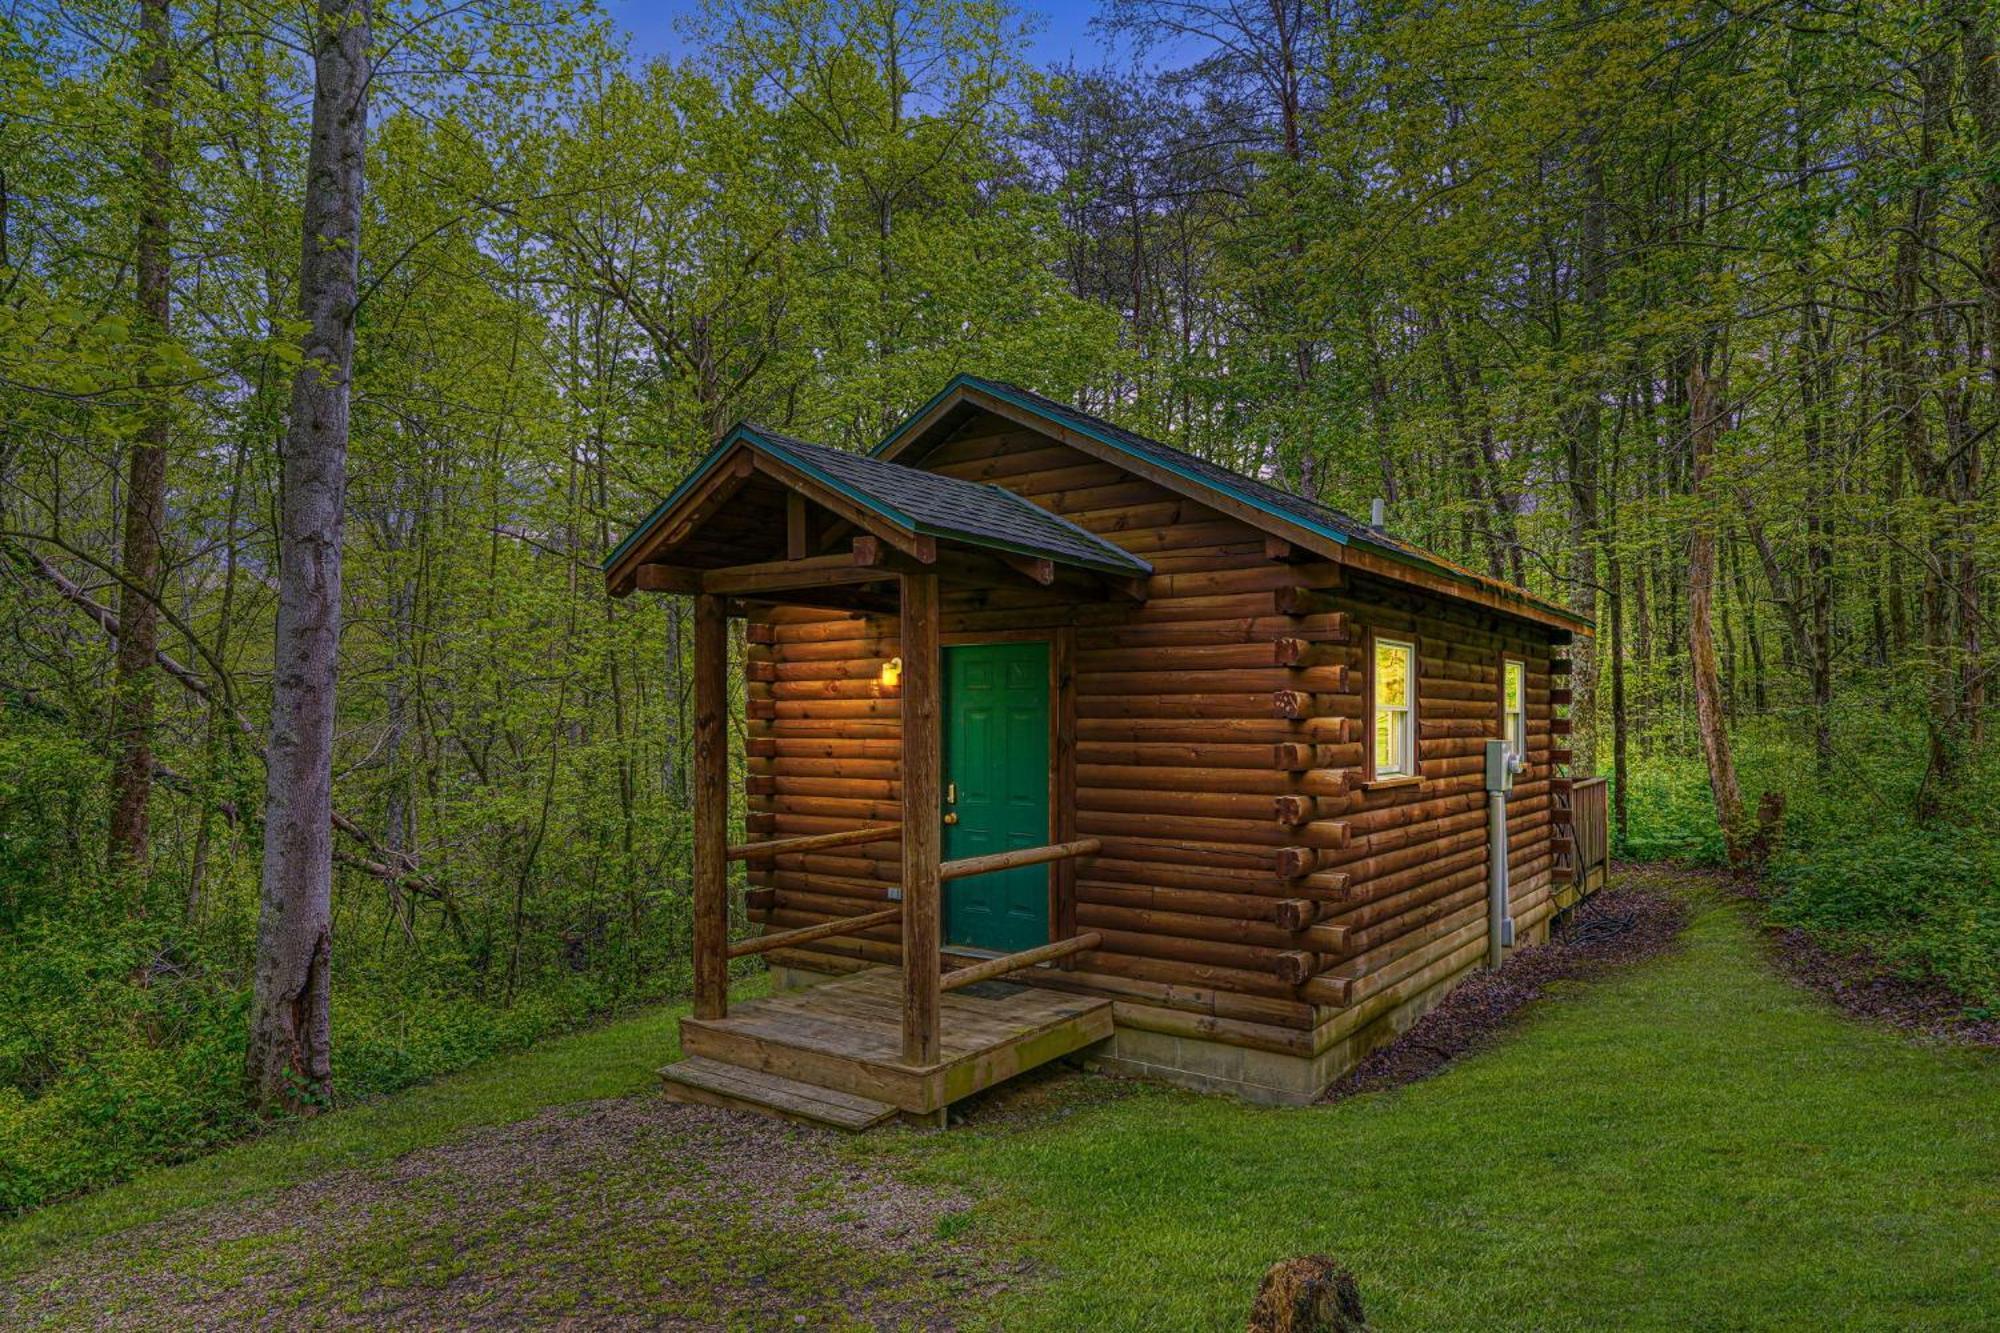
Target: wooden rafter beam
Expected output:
[998,570]
[811,488]
[1131,590]
[696,509]
[798,527]
[1037,569]
[856,598]
[715,492]
[666,578]
[782,576]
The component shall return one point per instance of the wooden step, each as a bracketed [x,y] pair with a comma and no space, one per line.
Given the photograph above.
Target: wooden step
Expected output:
[848,1034]
[713,1083]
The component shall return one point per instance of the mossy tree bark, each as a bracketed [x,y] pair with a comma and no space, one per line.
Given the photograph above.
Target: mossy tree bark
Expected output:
[291,1055]
[146,476]
[1705,409]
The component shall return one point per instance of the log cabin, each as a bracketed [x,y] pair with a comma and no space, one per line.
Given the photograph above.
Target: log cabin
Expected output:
[1061,741]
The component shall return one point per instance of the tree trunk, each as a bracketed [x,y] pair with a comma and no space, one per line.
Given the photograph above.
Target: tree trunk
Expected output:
[1704,424]
[1908,360]
[1593,276]
[1614,594]
[1760,698]
[1980,48]
[1814,375]
[291,1055]
[146,484]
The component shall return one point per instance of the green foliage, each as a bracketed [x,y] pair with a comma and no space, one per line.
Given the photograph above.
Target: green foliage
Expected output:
[578,271]
[100,1074]
[1860,872]
[51,790]
[116,1051]
[1672,813]
[1926,901]
[1854,867]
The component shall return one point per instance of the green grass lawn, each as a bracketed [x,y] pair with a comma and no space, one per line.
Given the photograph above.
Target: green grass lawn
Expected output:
[1691,1144]
[1694,1144]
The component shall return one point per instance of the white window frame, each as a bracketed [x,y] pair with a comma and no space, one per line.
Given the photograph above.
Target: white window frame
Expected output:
[1405,765]
[1517,742]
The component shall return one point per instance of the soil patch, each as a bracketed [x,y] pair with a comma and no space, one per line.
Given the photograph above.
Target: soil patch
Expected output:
[630,1213]
[1617,927]
[1863,986]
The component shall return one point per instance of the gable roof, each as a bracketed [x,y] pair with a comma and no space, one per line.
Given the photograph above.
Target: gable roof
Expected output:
[922,503]
[1261,497]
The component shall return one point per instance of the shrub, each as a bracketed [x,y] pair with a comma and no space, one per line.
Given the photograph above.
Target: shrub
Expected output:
[1854,868]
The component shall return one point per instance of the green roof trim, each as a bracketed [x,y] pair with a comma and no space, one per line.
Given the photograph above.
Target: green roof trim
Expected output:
[1084,422]
[658,511]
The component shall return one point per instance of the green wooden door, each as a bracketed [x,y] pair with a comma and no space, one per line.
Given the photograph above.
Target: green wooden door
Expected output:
[996,762]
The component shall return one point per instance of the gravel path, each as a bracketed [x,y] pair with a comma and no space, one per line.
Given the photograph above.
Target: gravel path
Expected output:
[632,1213]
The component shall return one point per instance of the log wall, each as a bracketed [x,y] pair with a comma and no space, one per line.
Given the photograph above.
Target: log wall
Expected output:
[1250,888]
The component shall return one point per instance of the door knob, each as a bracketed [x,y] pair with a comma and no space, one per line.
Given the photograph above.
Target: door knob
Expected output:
[951,817]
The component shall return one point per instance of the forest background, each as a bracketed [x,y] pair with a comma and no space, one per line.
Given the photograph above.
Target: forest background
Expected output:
[1582,291]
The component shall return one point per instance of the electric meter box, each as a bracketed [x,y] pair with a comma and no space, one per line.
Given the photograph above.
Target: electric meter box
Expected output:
[1500,767]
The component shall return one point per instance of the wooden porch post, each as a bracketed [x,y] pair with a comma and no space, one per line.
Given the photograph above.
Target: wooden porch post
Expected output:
[711,808]
[922,834]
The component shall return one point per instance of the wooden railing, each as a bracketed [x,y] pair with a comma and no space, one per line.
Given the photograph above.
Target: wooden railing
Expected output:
[948,870]
[989,968]
[813,842]
[1591,824]
[821,930]
[1019,856]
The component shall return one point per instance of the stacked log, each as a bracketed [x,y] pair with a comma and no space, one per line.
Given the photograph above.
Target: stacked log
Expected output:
[1249,885]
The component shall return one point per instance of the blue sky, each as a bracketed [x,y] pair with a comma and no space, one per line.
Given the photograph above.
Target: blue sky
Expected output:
[1063,31]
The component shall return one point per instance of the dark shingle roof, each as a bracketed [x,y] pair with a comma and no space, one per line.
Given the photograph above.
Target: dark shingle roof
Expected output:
[971,512]
[968,511]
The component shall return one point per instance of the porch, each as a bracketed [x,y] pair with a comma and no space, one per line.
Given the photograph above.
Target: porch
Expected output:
[786,1052]
[861,536]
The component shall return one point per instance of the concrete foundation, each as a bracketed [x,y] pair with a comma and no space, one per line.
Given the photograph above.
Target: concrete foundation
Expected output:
[1267,1077]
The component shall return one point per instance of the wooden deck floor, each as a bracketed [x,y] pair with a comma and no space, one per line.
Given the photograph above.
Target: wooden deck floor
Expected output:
[846,1035]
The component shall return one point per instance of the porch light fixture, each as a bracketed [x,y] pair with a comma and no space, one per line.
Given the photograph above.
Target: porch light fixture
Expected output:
[892,672]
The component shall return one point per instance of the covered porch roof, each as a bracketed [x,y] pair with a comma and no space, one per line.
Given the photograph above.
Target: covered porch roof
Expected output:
[761,495]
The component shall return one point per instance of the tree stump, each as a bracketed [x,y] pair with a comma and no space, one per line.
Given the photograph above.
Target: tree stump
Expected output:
[1308,1294]
[1770,827]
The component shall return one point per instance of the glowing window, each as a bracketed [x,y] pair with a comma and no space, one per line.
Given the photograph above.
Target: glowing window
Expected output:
[1514,706]
[1395,721]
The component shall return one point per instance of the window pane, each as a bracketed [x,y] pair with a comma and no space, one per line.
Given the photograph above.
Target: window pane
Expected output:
[1392,674]
[1513,687]
[1385,744]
